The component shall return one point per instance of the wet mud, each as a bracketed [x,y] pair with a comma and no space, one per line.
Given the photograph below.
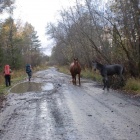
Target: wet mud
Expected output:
[50,107]
[2,101]
[31,87]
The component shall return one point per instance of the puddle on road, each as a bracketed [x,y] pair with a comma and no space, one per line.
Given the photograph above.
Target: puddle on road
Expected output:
[31,86]
[47,86]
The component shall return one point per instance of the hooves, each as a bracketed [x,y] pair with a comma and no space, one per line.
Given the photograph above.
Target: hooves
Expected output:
[76,84]
[104,88]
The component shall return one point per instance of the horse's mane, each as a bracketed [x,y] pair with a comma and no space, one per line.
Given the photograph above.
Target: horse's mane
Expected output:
[100,65]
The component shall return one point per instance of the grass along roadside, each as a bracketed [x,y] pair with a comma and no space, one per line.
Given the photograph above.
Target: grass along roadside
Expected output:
[131,86]
[16,76]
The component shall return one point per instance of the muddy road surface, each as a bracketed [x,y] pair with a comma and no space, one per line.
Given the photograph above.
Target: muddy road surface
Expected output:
[51,108]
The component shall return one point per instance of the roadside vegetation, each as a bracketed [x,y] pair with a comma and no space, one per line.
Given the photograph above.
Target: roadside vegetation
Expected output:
[132,85]
[16,76]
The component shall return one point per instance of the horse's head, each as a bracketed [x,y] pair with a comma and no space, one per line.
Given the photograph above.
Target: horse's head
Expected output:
[75,60]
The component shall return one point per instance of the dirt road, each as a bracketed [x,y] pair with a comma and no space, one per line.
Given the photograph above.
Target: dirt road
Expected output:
[51,108]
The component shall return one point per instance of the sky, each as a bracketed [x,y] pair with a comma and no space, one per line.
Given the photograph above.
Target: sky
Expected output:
[38,13]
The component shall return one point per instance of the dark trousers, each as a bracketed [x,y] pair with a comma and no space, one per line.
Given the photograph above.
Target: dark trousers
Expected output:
[29,75]
[8,80]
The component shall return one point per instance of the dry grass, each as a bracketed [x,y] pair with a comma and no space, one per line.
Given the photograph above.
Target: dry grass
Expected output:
[15,77]
[84,73]
[132,85]
[64,69]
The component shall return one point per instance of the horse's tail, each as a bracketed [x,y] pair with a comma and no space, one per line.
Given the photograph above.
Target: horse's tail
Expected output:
[123,70]
[123,73]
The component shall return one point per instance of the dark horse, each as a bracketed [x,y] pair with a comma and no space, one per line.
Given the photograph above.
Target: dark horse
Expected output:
[75,69]
[108,70]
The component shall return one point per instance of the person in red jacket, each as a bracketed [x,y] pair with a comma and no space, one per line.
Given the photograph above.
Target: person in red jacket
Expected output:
[7,75]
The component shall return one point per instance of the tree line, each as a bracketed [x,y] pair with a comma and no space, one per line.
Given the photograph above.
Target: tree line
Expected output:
[19,43]
[89,30]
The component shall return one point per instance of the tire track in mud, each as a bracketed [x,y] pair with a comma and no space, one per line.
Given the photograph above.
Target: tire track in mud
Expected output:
[108,116]
[118,108]
[87,119]
[61,118]
[115,105]
[42,115]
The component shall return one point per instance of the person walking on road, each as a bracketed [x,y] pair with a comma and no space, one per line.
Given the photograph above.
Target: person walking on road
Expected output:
[29,71]
[7,75]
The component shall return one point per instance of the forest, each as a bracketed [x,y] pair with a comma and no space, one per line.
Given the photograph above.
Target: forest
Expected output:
[19,43]
[94,30]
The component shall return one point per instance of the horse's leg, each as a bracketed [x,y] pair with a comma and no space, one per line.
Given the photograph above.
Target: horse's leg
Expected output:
[79,79]
[75,79]
[121,74]
[108,85]
[104,83]
[122,80]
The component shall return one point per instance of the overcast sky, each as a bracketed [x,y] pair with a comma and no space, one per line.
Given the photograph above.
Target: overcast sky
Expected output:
[39,13]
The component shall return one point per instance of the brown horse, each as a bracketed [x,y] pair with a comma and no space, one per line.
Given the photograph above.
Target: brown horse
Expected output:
[75,69]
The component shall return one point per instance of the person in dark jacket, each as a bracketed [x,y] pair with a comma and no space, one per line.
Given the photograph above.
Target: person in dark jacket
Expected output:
[29,71]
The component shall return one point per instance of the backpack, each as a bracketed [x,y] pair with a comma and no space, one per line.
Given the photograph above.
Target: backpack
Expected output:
[28,68]
[7,70]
